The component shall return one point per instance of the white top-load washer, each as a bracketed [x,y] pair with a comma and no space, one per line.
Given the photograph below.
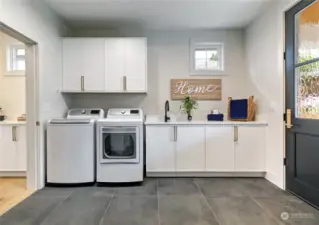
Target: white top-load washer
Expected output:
[120,149]
[71,147]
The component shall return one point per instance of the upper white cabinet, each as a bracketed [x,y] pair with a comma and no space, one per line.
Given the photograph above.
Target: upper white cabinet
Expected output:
[135,64]
[190,148]
[93,68]
[72,64]
[83,64]
[220,148]
[13,149]
[250,149]
[105,65]
[160,141]
[114,64]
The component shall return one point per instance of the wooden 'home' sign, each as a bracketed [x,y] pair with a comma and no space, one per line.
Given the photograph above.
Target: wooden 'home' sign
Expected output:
[200,89]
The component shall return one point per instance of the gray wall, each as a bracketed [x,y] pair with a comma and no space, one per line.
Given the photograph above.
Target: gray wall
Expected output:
[168,57]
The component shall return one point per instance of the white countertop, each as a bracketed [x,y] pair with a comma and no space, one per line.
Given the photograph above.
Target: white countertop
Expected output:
[9,122]
[154,120]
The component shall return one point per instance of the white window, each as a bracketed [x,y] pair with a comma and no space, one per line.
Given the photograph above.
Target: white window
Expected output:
[206,58]
[16,59]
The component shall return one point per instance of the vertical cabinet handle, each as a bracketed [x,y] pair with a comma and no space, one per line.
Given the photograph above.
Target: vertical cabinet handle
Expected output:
[235,133]
[175,133]
[14,133]
[82,83]
[124,83]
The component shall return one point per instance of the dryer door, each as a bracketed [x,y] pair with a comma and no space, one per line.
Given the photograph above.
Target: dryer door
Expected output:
[119,144]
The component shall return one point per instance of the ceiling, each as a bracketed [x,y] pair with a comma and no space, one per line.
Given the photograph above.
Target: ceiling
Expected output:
[158,14]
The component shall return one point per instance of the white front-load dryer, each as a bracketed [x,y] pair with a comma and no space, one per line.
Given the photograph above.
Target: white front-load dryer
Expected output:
[120,151]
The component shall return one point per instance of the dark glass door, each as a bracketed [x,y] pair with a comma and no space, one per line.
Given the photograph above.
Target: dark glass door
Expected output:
[302,100]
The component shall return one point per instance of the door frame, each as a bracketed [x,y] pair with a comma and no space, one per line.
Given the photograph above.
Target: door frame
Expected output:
[32,106]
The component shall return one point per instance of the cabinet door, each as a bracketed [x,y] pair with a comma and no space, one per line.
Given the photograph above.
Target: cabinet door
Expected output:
[21,148]
[72,64]
[250,149]
[93,60]
[8,155]
[114,64]
[160,149]
[135,64]
[219,149]
[190,148]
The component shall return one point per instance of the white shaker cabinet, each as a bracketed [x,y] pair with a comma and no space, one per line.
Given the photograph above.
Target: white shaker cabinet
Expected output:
[93,68]
[126,64]
[83,65]
[72,64]
[13,149]
[105,65]
[250,149]
[220,149]
[135,64]
[114,64]
[190,148]
[160,153]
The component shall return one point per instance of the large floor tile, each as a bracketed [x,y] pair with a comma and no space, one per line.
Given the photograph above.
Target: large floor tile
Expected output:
[298,212]
[238,187]
[239,211]
[220,187]
[147,188]
[32,211]
[178,186]
[185,210]
[132,210]
[84,206]
[259,187]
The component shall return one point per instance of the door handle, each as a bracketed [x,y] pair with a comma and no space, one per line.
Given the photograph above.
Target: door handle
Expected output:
[124,83]
[82,83]
[14,133]
[175,133]
[235,133]
[288,119]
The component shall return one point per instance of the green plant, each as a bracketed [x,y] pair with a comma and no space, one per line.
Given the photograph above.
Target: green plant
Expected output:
[188,104]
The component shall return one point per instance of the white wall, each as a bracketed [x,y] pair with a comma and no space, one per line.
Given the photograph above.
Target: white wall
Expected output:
[35,20]
[264,40]
[168,57]
[12,87]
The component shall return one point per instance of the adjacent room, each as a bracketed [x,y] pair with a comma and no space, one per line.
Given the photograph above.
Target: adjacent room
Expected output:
[13,147]
[152,112]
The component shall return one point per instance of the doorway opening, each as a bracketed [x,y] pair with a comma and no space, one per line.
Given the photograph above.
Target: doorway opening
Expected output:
[19,134]
[302,100]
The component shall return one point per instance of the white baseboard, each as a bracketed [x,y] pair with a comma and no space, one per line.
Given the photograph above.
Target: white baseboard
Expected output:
[275,179]
[13,174]
[205,174]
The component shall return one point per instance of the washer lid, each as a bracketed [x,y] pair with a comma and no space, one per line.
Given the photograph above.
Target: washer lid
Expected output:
[73,121]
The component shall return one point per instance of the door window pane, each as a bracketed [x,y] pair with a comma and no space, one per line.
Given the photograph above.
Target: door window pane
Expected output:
[307,91]
[118,145]
[307,33]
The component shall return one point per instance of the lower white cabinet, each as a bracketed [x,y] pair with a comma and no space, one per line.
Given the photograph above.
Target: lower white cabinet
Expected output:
[160,153]
[220,153]
[205,148]
[190,148]
[250,149]
[13,154]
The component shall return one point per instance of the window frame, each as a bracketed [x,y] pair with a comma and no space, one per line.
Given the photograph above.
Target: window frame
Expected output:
[207,46]
[12,58]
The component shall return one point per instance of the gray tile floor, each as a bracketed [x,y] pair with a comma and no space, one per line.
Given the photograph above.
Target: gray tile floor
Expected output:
[181,201]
